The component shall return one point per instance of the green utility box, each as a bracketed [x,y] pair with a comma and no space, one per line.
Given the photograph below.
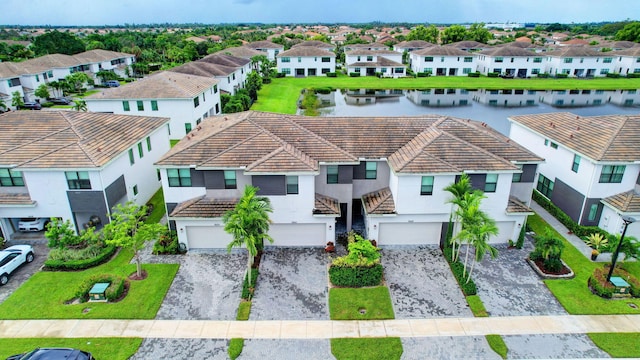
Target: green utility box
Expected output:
[97,292]
[622,287]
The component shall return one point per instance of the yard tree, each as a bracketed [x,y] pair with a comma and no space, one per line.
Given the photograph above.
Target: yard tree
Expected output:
[453,33]
[3,106]
[254,83]
[42,91]
[479,33]
[79,105]
[77,80]
[16,99]
[55,42]
[477,228]
[630,32]
[457,189]
[128,230]
[421,32]
[248,224]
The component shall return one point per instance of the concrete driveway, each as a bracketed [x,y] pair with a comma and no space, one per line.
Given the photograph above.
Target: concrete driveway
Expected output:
[24,272]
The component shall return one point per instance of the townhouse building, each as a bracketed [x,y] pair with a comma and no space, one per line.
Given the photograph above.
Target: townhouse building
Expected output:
[387,63]
[306,61]
[510,61]
[442,61]
[579,61]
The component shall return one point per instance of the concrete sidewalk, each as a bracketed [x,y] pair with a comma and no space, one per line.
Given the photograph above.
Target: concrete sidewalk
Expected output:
[320,329]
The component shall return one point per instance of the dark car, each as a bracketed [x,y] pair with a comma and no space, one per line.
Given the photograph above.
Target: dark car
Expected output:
[31,106]
[53,354]
[112,83]
[60,101]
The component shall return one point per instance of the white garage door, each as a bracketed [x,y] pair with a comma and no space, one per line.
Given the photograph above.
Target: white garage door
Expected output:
[207,237]
[409,233]
[298,234]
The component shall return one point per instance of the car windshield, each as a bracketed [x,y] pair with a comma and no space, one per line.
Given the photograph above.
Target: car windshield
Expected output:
[28,219]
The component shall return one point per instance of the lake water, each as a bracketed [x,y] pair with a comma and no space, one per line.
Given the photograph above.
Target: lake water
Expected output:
[490,106]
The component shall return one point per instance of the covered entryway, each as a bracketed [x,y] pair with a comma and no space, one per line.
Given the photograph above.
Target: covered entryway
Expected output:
[207,237]
[409,233]
[300,72]
[298,234]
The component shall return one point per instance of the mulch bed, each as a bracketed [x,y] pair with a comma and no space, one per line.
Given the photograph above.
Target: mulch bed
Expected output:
[564,271]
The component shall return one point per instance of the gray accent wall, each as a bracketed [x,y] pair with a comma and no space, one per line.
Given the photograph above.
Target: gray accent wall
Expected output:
[88,202]
[197,178]
[213,179]
[170,208]
[528,173]
[345,174]
[359,171]
[567,199]
[270,184]
[115,191]
[587,207]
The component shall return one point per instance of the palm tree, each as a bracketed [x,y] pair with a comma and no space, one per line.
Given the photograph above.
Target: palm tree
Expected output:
[79,105]
[248,223]
[481,242]
[457,189]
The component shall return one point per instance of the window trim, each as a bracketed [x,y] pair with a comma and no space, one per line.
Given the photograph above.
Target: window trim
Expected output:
[576,163]
[183,177]
[332,178]
[426,189]
[614,176]
[293,188]
[132,158]
[491,186]
[15,178]
[370,174]
[82,181]
[230,182]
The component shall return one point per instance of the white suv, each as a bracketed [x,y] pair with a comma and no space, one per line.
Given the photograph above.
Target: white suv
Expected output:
[11,258]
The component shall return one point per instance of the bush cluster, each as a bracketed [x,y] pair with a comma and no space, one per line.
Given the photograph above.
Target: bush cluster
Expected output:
[64,254]
[423,74]
[167,244]
[332,74]
[473,74]
[562,76]
[613,75]
[633,75]
[113,292]
[355,276]
[323,90]
[599,284]
[556,212]
[493,74]
[354,74]
[61,265]
[457,268]
[247,290]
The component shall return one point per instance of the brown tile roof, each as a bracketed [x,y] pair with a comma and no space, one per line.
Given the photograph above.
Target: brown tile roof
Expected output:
[515,206]
[414,44]
[162,85]
[634,51]
[441,50]
[15,199]
[265,44]
[569,51]
[507,51]
[241,52]
[315,43]
[203,207]
[325,205]
[379,202]
[290,143]
[306,51]
[225,60]
[69,139]
[601,138]
[360,51]
[468,44]
[204,69]
[628,202]
[100,55]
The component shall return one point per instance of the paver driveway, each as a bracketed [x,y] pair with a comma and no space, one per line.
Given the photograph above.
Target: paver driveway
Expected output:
[24,272]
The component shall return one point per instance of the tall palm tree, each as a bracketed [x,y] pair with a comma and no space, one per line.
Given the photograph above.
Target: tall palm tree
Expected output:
[248,223]
[79,105]
[457,189]
[481,242]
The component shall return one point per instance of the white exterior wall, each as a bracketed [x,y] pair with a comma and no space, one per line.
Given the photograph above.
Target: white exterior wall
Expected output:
[234,81]
[625,97]
[306,63]
[487,64]
[418,63]
[60,73]
[561,98]
[5,88]
[406,194]
[627,64]
[556,65]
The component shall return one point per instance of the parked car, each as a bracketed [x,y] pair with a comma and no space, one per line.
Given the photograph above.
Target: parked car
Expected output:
[31,106]
[60,101]
[11,258]
[112,83]
[32,224]
[53,354]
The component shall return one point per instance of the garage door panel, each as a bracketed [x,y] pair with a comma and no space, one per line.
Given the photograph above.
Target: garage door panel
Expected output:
[207,237]
[409,233]
[298,234]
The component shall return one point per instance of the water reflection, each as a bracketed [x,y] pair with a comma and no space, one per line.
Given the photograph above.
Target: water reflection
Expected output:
[490,106]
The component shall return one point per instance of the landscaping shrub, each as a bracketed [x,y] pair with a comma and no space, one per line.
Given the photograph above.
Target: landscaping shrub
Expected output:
[281,75]
[556,212]
[247,290]
[599,284]
[493,74]
[60,265]
[235,347]
[457,268]
[323,90]
[113,292]
[520,242]
[633,76]
[167,244]
[332,74]
[553,264]
[613,75]
[355,276]
[47,104]
[354,74]
[562,76]
[423,74]
[543,75]
[473,74]
[88,252]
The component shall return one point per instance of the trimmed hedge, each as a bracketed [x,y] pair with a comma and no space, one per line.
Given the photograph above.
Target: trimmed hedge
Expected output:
[633,76]
[59,265]
[613,75]
[542,76]
[598,282]
[457,268]
[358,276]
[473,74]
[562,76]
[331,74]
[493,74]
[354,74]
[113,292]
[423,74]
[323,90]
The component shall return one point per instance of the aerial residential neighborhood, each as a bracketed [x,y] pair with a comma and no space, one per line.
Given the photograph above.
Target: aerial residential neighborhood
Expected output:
[256,188]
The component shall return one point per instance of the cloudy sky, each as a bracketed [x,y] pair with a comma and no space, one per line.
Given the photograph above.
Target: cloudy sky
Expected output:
[84,12]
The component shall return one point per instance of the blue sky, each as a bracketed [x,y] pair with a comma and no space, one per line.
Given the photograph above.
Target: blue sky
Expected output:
[93,12]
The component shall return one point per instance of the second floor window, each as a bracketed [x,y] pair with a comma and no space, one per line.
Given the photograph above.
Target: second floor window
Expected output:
[612,173]
[154,105]
[179,177]
[545,186]
[292,184]
[125,106]
[371,170]
[140,105]
[196,101]
[10,177]
[576,163]
[332,174]
[230,181]
[426,187]
[517,177]
[78,180]
[491,183]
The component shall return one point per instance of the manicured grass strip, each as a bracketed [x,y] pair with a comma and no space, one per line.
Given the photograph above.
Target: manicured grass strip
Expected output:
[476,306]
[497,344]
[373,303]
[235,347]
[366,348]
[618,345]
[574,294]
[173,142]
[100,348]
[157,200]
[43,296]
[244,309]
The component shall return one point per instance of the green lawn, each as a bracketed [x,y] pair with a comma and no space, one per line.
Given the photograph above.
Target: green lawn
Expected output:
[347,303]
[100,348]
[618,345]
[366,348]
[43,296]
[158,207]
[281,94]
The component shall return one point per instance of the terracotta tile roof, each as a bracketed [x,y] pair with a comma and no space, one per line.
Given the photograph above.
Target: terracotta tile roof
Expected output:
[379,202]
[204,69]
[515,206]
[314,43]
[326,205]
[601,138]
[203,207]
[306,51]
[507,51]
[69,139]
[15,199]
[240,51]
[290,143]
[628,202]
[162,85]
[414,44]
[100,55]
[569,51]
[441,51]
[265,44]
[225,60]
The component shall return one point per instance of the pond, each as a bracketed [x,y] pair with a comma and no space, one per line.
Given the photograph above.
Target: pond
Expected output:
[490,106]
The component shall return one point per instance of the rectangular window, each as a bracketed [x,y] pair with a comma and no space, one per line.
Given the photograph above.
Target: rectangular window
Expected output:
[132,159]
[196,101]
[203,97]
[466,70]
[607,60]
[593,211]
[545,186]
[230,181]
[148,143]
[537,60]
[125,106]
[10,177]
[135,190]
[154,105]
[468,59]
[426,186]
[78,180]
[568,60]
[356,70]
[179,177]
[326,59]
[187,127]
[140,105]
[299,58]
[285,59]
[292,184]
[604,71]
[332,174]
[325,70]
[553,145]
[371,170]
[499,59]
[517,177]
[576,163]
[428,59]
[535,71]
[491,183]
[612,173]
[215,89]
[286,71]
[140,151]
[369,58]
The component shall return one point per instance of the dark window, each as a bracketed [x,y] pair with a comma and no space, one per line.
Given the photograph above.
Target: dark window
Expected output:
[292,184]
[132,159]
[371,170]
[230,179]
[612,173]
[10,177]
[140,150]
[179,177]
[125,106]
[491,183]
[78,180]
[545,186]
[148,143]
[135,189]
[196,101]
[187,127]
[517,177]
[154,105]
[576,163]
[140,105]
[332,174]
[593,211]
[326,59]
[426,187]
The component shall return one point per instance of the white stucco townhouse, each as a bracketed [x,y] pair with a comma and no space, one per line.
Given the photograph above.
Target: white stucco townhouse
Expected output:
[326,175]
[387,63]
[591,170]
[510,61]
[627,61]
[442,61]
[579,61]
[76,165]
[306,61]
[230,71]
[186,99]
[270,48]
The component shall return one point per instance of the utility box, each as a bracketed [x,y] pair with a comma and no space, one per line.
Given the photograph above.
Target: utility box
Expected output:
[622,287]
[97,292]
